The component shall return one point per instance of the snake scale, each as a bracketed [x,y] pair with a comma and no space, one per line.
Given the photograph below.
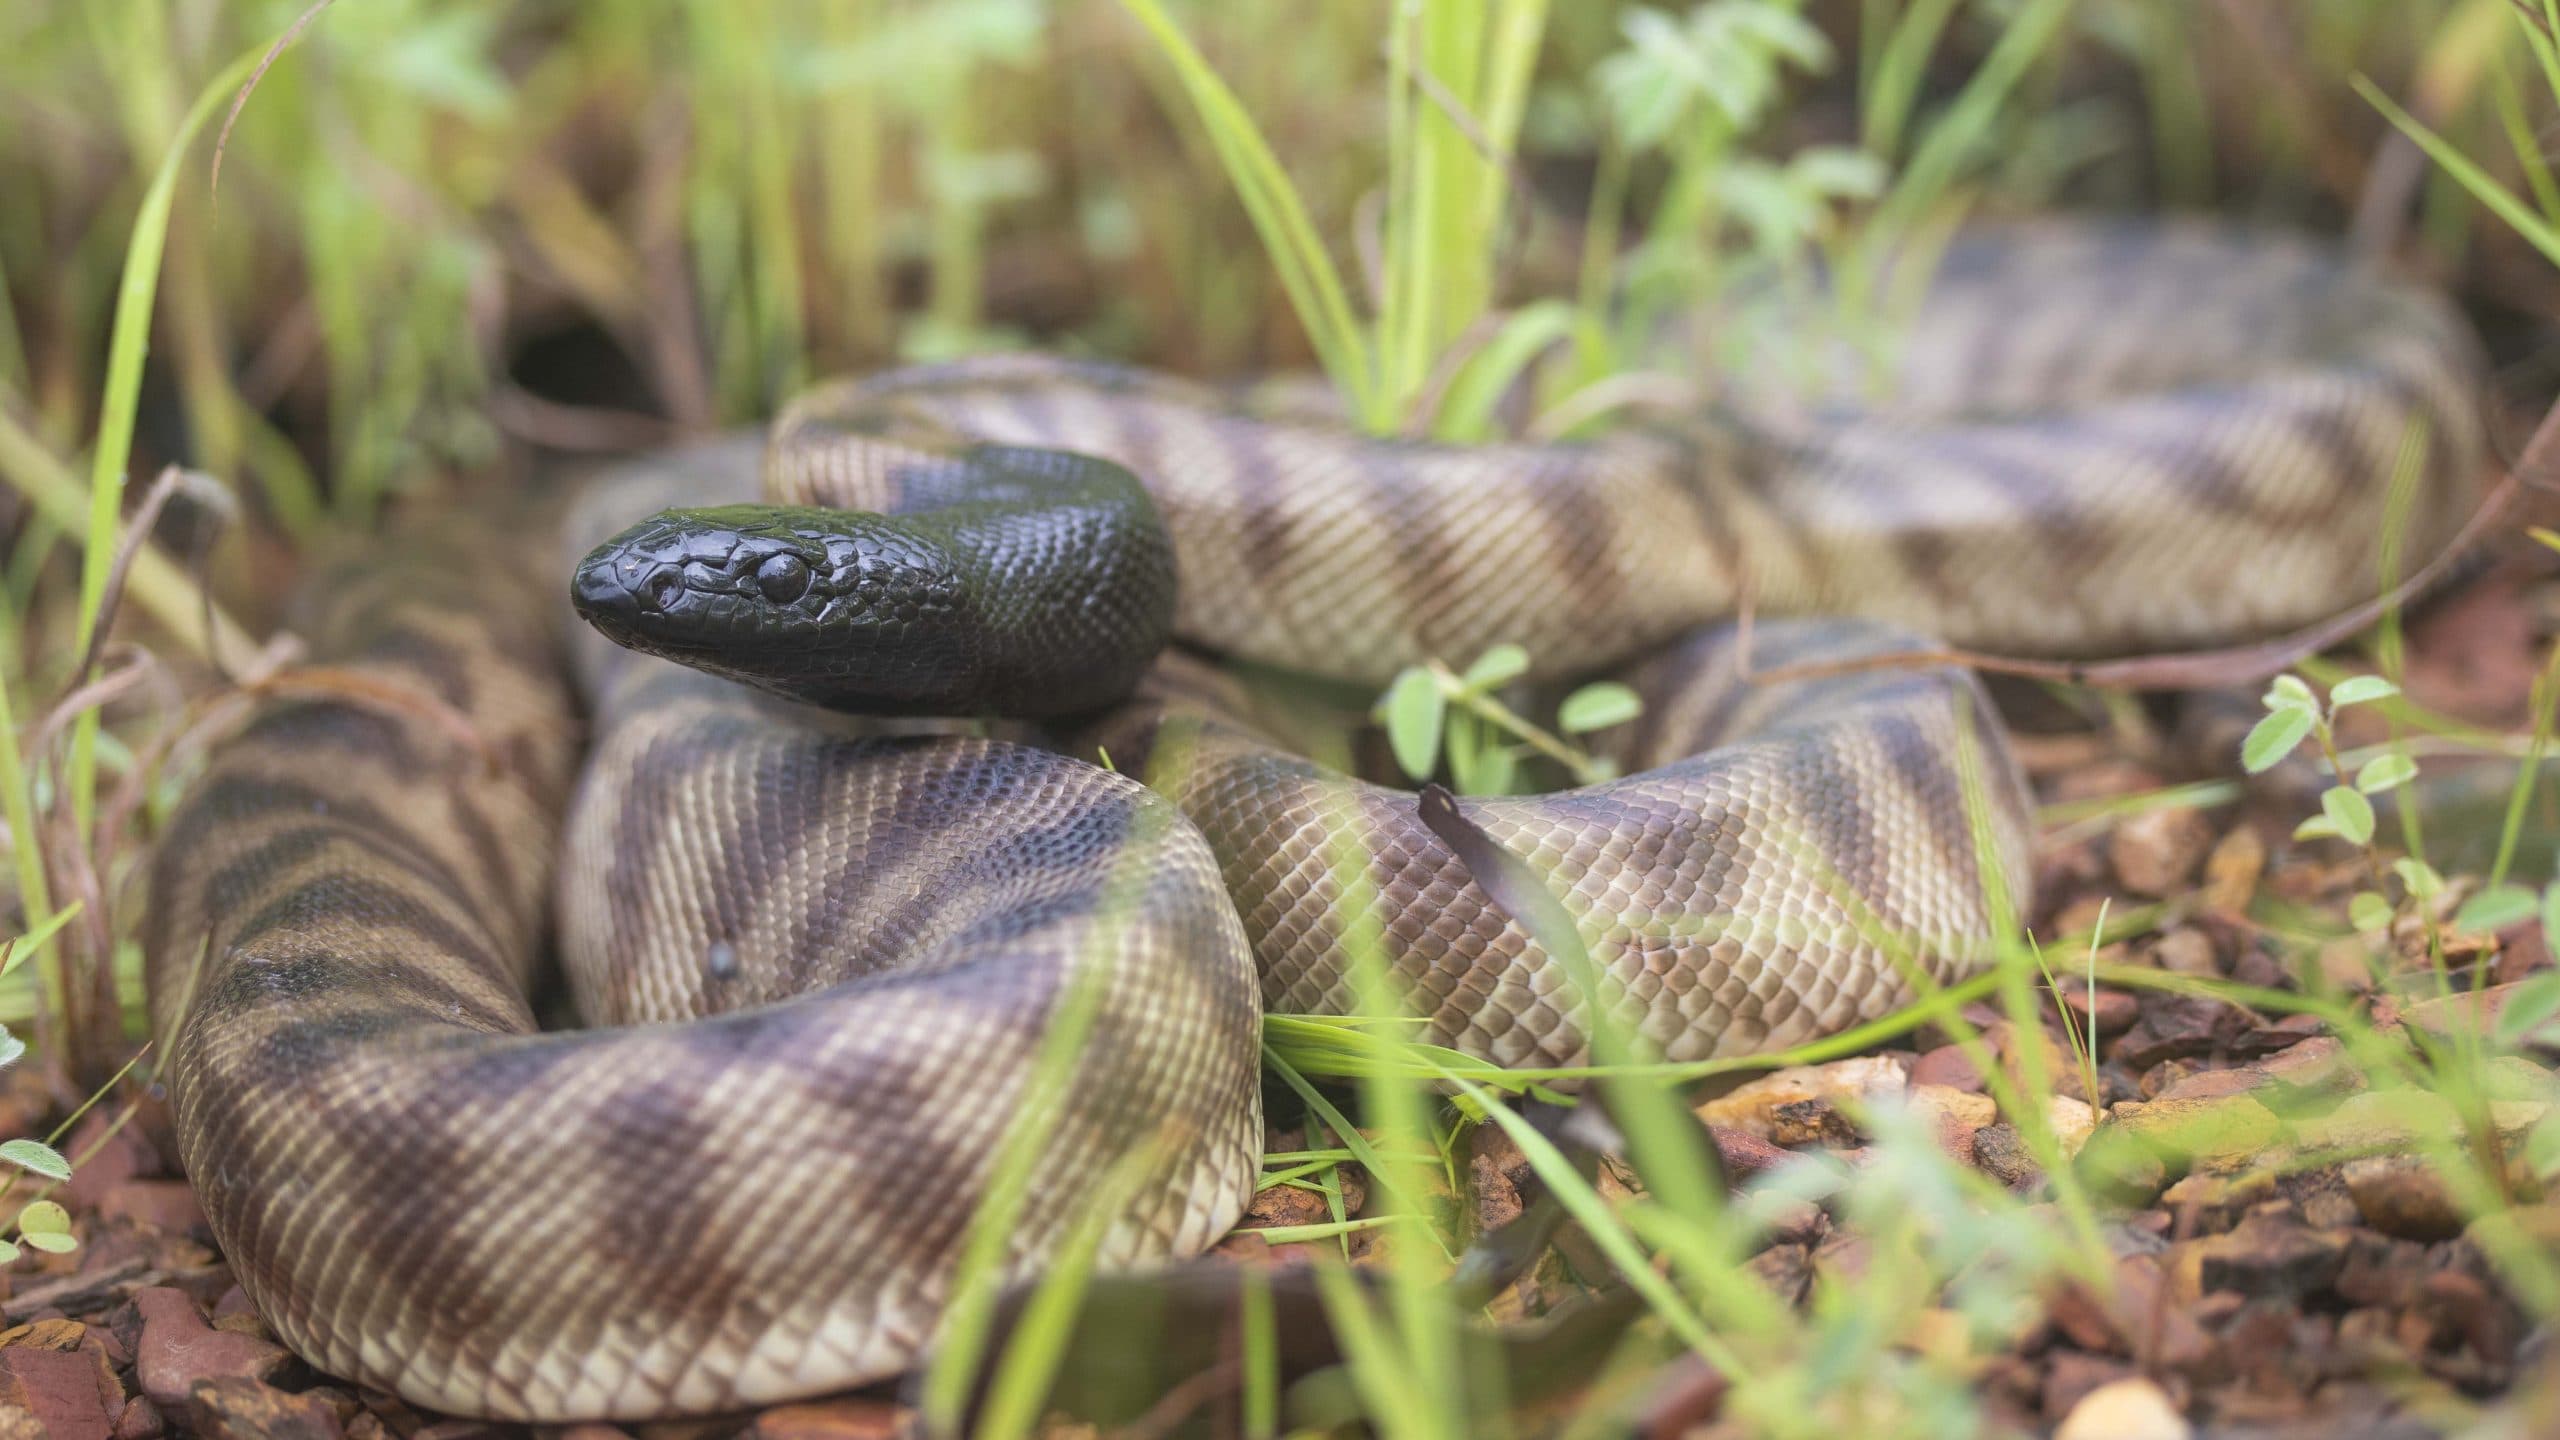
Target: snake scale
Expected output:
[818,961]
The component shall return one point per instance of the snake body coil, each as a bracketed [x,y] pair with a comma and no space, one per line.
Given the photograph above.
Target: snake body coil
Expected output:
[823,963]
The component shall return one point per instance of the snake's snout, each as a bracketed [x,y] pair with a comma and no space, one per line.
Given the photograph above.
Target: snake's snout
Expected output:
[618,591]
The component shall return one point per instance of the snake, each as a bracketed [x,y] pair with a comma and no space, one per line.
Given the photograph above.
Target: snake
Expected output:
[846,982]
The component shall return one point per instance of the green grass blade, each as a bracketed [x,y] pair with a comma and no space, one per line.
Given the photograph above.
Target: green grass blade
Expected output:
[1279,216]
[129,340]
[2542,235]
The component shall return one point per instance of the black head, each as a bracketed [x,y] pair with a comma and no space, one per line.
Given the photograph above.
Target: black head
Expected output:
[828,606]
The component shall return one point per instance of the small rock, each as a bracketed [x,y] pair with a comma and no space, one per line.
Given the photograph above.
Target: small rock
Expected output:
[1792,1222]
[2317,1066]
[1496,1171]
[1842,1257]
[2072,1122]
[2464,1307]
[1752,1106]
[828,1420]
[232,1407]
[168,1204]
[1744,1155]
[2165,1075]
[2513,1077]
[141,1420]
[54,1334]
[1953,1115]
[179,1350]
[65,1390]
[2366,1342]
[111,1153]
[2281,1033]
[2117,1168]
[2270,1254]
[2177,1026]
[2020,1046]
[2476,1011]
[1285,1205]
[2187,952]
[2232,871]
[2402,1195]
[2080,918]
[1818,1121]
[2130,1409]
[2138,1320]
[1942,1337]
[2329,1207]
[244,1322]
[235,1301]
[2001,1153]
[2110,1012]
[1787,1270]
[1949,1066]
[2184,1132]
[2379,1121]
[2208,1196]
[2212,1084]
[2154,853]
[388,1411]
[2071,1377]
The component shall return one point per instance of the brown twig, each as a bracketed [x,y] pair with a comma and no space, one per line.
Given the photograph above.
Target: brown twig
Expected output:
[137,534]
[248,87]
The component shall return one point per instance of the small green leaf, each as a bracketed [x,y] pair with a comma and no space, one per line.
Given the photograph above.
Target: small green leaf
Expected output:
[2350,812]
[1597,707]
[32,943]
[2360,689]
[37,1156]
[2496,909]
[43,1217]
[1497,667]
[2272,739]
[8,1252]
[2535,1000]
[2369,911]
[2289,692]
[2542,1147]
[2318,827]
[1495,772]
[2386,772]
[1414,711]
[2419,876]
[47,1227]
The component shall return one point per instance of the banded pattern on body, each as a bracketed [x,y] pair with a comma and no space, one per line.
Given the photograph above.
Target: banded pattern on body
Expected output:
[824,959]
[669,1215]
[2076,455]
[1782,862]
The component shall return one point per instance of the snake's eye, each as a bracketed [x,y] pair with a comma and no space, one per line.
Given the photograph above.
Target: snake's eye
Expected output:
[782,578]
[659,592]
